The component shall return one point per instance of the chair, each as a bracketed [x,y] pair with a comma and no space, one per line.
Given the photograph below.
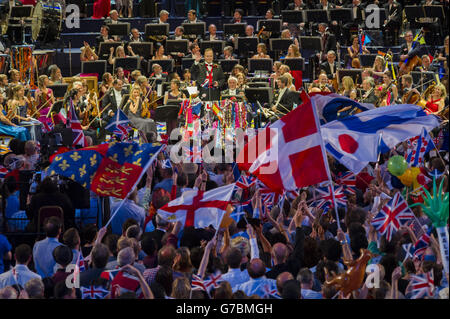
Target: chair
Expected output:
[49,211]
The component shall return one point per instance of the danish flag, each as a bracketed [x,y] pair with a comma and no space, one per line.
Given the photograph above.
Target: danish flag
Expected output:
[422,285]
[286,155]
[393,215]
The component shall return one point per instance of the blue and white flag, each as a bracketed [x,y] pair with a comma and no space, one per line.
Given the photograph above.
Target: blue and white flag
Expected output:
[358,139]
[417,148]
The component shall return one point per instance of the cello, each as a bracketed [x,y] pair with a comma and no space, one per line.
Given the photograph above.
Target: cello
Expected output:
[411,63]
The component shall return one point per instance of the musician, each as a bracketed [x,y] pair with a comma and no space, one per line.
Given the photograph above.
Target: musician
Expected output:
[378,68]
[328,40]
[426,65]
[408,90]
[232,90]
[237,16]
[120,75]
[3,85]
[286,97]
[19,112]
[293,52]
[210,76]
[261,50]
[163,17]
[87,53]
[113,17]
[250,31]
[353,51]
[187,79]
[192,18]
[323,82]
[135,36]
[14,77]
[330,66]
[369,96]
[134,109]
[104,36]
[409,49]
[157,72]
[55,75]
[174,93]
[390,88]
[357,14]
[43,96]
[107,80]
[120,53]
[159,53]
[228,53]
[297,5]
[9,128]
[392,24]
[286,34]
[348,87]
[242,81]
[212,35]
[113,99]
[178,34]
[436,100]
[265,35]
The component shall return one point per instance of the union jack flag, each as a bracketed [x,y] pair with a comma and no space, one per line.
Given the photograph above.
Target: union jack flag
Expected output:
[394,214]
[326,197]
[109,274]
[80,262]
[75,125]
[348,182]
[421,245]
[213,281]
[193,154]
[47,125]
[119,125]
[422,285]
[417,148]
[245,182]
[3,172]
[269,293]
[197,283]
[93,292]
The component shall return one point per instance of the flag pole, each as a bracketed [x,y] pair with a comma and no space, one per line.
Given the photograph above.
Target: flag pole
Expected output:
[134,186]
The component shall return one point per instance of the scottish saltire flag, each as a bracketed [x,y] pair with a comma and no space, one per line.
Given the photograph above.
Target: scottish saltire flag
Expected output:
[422,285]
[348,181]
[421,245]
[409,251]
[119,125]
[393,215]
[75,125]
[197,283]
[358,139]
[93,292]
[106,169]
[417,148]
[326,197]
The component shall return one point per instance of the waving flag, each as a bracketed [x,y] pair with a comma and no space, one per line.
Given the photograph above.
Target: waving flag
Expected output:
[356,140]
[286,155]
[348,182]
[421,245]
[3,172]
[245,182]
[119,125]
[213,281]
[197,208]
[422,285]
[193,153]
[75,125]
[197,283]
[326,197]
[93,292]
[393,215]
[106,169]
[417,148]
[269,293]
[125,282]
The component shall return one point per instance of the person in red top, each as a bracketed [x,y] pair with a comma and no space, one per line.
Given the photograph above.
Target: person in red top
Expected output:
[101,9]
[436,101]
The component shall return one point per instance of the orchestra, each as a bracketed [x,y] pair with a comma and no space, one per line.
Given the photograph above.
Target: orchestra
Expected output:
[382,82]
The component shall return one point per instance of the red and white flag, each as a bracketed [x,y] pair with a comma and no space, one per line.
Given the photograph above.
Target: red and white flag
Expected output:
[289,154]
[197,208]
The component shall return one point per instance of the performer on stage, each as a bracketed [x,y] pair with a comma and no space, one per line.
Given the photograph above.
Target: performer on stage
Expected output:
[436,101]
[133,109]
[174,93]
[369,96]
[9,128]
[210,77]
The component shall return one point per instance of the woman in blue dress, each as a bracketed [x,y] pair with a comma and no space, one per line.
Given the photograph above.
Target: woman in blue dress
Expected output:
[9,128]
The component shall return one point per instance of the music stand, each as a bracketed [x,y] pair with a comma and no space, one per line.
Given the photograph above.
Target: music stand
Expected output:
[317,16]
[434,12]
[260,65]
[156,29]
[237,97]
[258,84]
[246,45]
[311,43]
[228,65]
[355,74]
[59,90]
[186,63]
[295,64]
[341,15]
[261,95]
[422,77]
[94,67]
[143,49]
[177,46]
[18,12]
[273,25]
[234,28]
[197,29]
[367,60]
[129,63]
[166,65]
[292,16]
[279,44]
[217,46]
[119,29]
[105,47]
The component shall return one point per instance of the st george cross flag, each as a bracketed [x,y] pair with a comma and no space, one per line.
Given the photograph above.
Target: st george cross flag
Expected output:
[326,197]
[93,292]
[286,155]
[348,182]
[119,125]
[417,148]
[197,208]
[356,140]
[422,285]
[393,215]
[75,125]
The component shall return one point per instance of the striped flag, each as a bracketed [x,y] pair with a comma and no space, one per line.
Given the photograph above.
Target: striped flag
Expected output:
[417,148]
[75,125]
[422,285]
[348,182]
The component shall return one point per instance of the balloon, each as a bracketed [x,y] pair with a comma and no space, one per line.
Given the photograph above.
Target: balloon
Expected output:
[396,183]
[407,177]
[397,165]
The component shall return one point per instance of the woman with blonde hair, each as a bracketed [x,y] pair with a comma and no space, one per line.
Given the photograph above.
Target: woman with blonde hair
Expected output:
[293,52]
[55,75]
[436,100]
[120,53]
[348,87]
[182,264]
[88,53]
[181,288]
[378,69]
[242,81]
[261,50]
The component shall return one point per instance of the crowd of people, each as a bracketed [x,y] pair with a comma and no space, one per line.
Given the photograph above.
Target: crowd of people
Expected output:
[288,249]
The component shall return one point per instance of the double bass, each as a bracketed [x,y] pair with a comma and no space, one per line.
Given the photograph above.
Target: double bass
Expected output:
[412,63]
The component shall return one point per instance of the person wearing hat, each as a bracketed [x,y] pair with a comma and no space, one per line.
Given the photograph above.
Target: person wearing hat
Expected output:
[63,256]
